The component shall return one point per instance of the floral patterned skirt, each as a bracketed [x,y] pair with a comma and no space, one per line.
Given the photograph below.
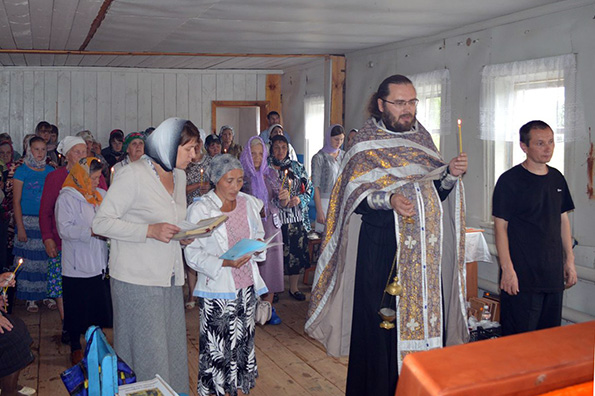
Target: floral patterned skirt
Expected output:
[227,359]
[55,276]
[295,248]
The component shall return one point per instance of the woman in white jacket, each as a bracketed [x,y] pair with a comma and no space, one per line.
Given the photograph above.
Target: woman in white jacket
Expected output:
[139,214]
[84,254]
[227,290]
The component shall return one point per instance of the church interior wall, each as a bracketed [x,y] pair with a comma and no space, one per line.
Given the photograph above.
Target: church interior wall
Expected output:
[542,35]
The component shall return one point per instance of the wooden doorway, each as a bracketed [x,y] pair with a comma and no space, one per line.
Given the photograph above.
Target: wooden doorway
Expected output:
[262,105]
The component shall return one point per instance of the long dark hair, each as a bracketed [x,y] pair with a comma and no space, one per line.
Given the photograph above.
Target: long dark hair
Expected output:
[383,91]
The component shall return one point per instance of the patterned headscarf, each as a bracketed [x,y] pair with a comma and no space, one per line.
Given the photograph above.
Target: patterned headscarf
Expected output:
[79,178]
[256,176]
[285,161]
[130,137]
[30,160]
[221,164]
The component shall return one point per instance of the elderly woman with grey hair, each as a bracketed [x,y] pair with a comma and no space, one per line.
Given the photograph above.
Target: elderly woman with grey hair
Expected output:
[227,290]
[226,135]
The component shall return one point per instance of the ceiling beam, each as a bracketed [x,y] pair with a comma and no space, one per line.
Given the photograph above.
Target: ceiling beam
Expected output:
[96,23]
[133,53]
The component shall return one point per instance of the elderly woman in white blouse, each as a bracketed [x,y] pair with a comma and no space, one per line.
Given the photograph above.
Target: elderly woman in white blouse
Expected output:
[227,289]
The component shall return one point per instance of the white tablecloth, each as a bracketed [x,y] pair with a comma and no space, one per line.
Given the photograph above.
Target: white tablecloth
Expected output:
[476,248]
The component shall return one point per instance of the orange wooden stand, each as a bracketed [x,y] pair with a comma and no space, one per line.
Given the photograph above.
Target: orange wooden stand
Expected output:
[525,364]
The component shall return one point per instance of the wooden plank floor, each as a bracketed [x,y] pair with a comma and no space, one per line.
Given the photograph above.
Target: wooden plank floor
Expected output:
[289,362]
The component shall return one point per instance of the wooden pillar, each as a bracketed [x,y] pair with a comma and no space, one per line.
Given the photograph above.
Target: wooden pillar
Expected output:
[273,96]
[337,90]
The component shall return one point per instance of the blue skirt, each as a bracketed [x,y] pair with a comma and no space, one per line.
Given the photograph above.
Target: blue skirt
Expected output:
[32,276]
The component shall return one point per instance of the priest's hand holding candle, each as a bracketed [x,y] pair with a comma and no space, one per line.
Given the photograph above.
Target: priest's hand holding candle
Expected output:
[458,165]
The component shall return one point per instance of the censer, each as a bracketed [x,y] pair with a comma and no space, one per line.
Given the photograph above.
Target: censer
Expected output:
[394,290]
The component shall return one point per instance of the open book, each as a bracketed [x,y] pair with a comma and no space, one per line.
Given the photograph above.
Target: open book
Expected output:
[248,246]
[154,387]
[203,228]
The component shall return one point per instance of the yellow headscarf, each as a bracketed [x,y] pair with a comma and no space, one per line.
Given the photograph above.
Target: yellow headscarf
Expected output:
[79,178]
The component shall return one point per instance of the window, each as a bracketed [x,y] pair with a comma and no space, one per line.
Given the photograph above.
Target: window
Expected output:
[516,93]
[314,123]
[433,110]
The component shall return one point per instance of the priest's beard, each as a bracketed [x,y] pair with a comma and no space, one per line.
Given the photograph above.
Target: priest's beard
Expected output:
[398,125]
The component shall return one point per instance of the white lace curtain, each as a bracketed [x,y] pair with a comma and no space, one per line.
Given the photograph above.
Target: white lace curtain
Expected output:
[433,92]
[517,92]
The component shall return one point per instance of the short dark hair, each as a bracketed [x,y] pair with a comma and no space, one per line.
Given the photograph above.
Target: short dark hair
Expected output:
[272,113]
[116,134]
[525,131]
[337,130]
[278,138]
[189,132]
[36,139]
[212,139]
[5,137]
[42,124]
[383,91]
[94,166]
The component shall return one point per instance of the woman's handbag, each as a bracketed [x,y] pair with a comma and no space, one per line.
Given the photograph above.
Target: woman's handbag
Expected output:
[264,310]
[101,370]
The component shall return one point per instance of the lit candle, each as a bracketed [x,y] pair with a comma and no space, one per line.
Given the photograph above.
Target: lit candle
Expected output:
[289,183]
[18,265]
[111,179]
[11,277]
[202,171]
[284,177]
[459,122]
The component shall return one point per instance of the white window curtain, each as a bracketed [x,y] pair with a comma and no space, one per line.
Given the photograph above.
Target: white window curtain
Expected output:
[433,92]
[514,93]
[314,123]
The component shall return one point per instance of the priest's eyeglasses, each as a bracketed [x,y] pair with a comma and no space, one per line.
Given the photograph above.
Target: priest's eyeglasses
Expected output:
[403,103]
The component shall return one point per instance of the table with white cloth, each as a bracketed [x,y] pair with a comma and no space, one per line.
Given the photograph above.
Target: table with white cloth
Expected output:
[476,249]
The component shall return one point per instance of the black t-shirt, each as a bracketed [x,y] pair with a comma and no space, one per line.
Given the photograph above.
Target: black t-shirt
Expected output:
[532,205]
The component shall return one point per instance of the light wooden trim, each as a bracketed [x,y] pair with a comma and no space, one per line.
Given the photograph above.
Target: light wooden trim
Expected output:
[337,90]
[273,93]
[263,105]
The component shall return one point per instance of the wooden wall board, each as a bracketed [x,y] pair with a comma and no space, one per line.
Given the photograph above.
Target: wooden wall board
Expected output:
[131,98]
[90,101]
[104,99]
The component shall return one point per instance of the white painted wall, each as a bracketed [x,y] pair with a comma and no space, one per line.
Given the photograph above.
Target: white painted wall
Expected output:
[546,32]
[103,99]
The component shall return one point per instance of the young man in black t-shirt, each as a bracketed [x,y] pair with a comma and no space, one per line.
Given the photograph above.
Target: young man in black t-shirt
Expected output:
[530,207]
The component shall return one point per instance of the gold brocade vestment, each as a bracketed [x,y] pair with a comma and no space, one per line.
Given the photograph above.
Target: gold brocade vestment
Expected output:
[406,163]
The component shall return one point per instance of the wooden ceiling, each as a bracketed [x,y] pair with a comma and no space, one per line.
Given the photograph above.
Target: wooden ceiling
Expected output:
[222,34]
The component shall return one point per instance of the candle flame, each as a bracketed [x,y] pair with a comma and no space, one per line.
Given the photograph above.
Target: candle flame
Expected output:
[459,121]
